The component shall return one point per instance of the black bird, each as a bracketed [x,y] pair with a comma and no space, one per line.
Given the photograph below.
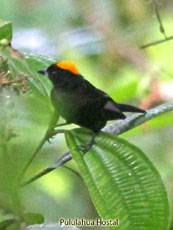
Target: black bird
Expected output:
[79,102]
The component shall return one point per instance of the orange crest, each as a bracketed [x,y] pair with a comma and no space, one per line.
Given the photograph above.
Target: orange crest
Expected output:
[68,65]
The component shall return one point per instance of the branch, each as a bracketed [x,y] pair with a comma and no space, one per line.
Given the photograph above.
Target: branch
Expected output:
[116,128]
[156,42]
[161,27]
[162,30]
[137,119]
[14,81]
[62,160]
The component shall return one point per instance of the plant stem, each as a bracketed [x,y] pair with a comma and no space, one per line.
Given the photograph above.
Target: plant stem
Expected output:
[49,133]
[62,160]
[32,157]
[156,42]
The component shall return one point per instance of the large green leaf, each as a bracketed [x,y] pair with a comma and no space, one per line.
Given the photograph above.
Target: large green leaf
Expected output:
[122,182]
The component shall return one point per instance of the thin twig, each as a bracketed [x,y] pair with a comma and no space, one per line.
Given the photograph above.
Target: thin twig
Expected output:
[62,160]
[73,171]
[33,155]
[162,30]
[156,42]
[14,81]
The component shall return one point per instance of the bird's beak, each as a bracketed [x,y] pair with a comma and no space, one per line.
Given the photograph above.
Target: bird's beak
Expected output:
[43,71]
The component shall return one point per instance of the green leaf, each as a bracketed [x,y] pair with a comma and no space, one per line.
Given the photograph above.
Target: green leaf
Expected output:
[5,30]
[15,226]
[122,182]
[6,223]
[33,218]
[22,66]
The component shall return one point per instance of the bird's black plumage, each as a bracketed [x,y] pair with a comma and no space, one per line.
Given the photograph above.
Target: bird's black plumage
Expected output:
[79,102]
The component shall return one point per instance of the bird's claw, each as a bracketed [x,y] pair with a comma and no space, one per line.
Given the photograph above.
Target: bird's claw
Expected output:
[85,148]
[49,139]
[81,148]
[50,134]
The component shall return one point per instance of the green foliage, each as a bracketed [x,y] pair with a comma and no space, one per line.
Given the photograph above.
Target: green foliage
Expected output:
[5,30]
[122,182]
[33,218]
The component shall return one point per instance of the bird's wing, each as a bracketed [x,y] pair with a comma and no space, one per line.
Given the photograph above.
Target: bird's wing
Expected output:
[112,111]
[111,106]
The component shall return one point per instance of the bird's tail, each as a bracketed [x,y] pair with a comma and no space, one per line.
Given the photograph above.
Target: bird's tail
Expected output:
[130,108]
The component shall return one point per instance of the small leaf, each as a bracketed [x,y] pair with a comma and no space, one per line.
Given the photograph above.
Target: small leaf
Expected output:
[122,182]
[10,224]
[33,218]
[5,30]
[6,223]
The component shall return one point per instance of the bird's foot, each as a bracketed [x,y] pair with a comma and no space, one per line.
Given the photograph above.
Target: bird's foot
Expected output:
[86,148]
[50,134]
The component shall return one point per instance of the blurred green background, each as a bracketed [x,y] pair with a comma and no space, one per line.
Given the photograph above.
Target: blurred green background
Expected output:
[103,37]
